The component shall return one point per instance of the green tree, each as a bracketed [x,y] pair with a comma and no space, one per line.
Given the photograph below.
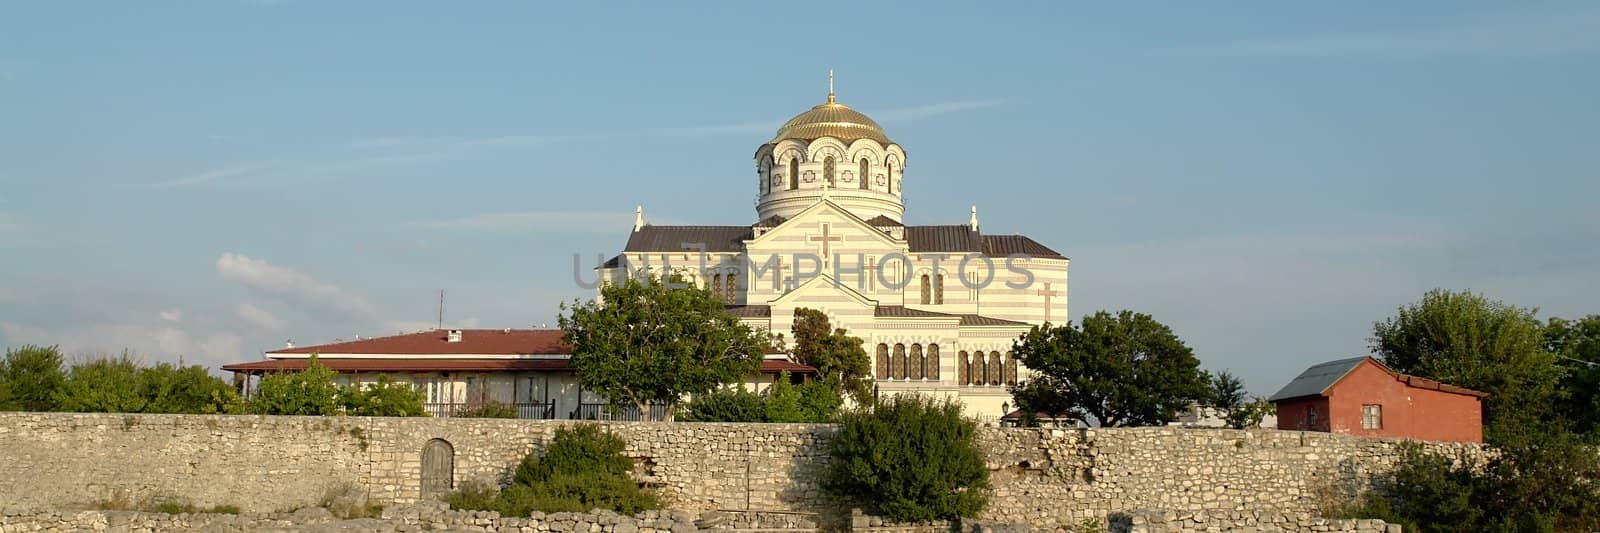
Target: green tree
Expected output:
[910,458]
[103,385]
[167,388]
[1576,345]
[1123,370]
[307,392]
[839,358]
[732,404]
[584,468]
[783,402]
[1237,409]
[1467,340]
[30,377]
[386,397]
[653,342]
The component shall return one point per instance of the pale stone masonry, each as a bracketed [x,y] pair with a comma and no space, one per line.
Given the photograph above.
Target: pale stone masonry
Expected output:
[1043,477]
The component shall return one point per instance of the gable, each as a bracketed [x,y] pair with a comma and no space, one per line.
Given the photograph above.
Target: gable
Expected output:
[805,231]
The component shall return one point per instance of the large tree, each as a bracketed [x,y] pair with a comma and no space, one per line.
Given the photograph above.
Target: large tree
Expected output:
[1119,370]
[1576,345]
[652,341]
[839,358]
[30,376]
[1465,339]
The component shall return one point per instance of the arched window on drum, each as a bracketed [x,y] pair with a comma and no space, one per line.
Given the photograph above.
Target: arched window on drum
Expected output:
[864,177]
[794,173]
[827,170]
[916,361]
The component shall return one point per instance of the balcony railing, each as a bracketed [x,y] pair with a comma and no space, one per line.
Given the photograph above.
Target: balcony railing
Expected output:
[602,411]
[528,411]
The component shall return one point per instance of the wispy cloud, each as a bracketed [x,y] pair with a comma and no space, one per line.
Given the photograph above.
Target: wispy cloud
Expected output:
[1530,32]
[606,222]
[203,177]
[258,317]
[291,286]
[10,223]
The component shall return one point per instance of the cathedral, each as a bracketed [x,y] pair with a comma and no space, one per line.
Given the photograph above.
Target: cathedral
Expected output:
[937,306]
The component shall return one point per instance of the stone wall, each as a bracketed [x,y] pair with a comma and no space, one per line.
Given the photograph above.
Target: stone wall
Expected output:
[1044,477]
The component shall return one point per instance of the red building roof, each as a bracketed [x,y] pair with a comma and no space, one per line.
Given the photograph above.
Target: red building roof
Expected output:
[437,342]
[386,364]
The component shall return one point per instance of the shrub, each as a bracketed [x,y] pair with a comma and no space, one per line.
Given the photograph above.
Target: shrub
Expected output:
[731,405]
[387,397]
[487,409]
[583,469]
[910,459]
[30,376]
[307,392]
[103,385]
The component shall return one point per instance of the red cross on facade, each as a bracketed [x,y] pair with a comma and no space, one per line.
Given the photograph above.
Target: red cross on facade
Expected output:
[1047,293]
[825,238]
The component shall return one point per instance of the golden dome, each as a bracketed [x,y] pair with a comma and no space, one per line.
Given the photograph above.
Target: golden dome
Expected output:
[832,119]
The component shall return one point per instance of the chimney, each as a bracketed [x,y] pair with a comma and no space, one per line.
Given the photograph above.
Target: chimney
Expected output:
[453,336]
[288,343]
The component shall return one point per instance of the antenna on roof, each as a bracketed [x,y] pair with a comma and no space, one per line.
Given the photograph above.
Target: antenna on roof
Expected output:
[441,308]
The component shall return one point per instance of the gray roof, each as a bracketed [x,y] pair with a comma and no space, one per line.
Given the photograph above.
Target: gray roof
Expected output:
[958,238]
[750,311]
[980,320]
[653,238]
[900,311]
[1316,380]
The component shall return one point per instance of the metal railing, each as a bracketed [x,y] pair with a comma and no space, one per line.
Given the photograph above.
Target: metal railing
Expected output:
[527,411]
[604,411]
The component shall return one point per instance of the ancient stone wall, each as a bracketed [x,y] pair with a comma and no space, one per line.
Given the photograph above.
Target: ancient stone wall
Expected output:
[1045,477]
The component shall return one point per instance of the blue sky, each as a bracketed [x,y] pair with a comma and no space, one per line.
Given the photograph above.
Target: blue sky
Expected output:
[208,179]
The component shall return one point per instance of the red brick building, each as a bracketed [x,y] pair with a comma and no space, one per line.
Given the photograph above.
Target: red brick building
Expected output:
[1360,396]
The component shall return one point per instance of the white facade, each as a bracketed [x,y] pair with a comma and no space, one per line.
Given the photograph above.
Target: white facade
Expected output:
[829,236]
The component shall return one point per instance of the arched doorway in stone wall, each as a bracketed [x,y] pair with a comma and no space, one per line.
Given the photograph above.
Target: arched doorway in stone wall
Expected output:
[438,468]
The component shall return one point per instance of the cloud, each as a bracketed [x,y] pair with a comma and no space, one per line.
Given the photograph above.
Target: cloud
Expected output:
[148,342]
[259,318]
[291,286]
[1531,32]
[10,223]
[172,315]
[606,222]
[204,177]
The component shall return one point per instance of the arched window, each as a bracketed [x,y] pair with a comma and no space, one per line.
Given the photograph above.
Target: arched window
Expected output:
[916,361]
[891,176]
[927,295]
[1011,369]
[931,364]
[883,361]
[766,174]
[898,366]
[716,285]
[827,170]
[996,368]
[962,363]
[730,287]
[863,174]
[978,369]
[794,173]
[938,288]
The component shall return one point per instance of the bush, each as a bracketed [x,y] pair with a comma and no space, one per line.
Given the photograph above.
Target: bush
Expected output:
[30,377]
[488,409]
[307,392]
[103,385]
[910,459]
[387,397]
[348,500]
[731,405]
[583,469]
[1549,483]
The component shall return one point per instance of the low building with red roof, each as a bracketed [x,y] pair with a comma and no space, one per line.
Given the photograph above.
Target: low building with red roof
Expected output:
[462,368]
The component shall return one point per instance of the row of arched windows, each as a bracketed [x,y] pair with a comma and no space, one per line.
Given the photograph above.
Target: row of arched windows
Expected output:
[723,285]
[932,289]
[828,172]
[978,369]
[902,365]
